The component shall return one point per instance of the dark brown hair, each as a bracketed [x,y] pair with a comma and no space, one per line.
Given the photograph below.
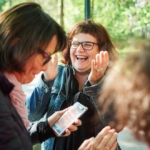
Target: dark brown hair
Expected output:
[97,31]
[24,28]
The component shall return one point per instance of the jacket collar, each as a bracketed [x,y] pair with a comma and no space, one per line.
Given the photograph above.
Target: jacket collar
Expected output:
[5,86]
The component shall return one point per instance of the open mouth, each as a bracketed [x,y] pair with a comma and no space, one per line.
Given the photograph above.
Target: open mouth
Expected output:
[81,58]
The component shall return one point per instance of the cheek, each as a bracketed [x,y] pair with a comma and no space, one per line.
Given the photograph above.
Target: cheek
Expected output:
[29,68]
[93,54]
[36,67]
[72,53]
[32,66]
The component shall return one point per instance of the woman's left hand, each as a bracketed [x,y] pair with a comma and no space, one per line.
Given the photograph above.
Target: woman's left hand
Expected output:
[98,67]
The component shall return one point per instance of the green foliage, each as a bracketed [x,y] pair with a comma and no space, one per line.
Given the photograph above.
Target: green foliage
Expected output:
[124,19]
[73,14]
[2,2]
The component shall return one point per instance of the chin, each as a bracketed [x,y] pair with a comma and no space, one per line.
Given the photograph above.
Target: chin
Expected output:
[29,80]
[79,70]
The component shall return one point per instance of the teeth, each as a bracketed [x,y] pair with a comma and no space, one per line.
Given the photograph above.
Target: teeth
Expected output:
[81,57]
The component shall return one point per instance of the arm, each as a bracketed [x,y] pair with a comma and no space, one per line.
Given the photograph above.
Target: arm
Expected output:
[96,76]
[41,131]
[38,102]
[93,90]
[95,82]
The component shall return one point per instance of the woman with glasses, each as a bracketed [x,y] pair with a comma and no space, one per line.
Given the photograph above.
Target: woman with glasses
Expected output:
[28,38]
[89,54]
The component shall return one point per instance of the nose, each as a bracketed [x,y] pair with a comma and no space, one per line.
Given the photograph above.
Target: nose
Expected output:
[80,48]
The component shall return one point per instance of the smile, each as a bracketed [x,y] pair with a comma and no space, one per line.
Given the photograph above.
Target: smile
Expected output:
[81,58]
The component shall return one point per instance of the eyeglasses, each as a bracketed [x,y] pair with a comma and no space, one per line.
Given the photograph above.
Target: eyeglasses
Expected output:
[86,45]
[45,56]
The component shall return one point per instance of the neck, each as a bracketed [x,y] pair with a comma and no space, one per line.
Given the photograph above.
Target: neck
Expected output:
[81,77]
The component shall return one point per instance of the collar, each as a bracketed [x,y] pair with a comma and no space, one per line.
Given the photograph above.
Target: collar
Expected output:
[5,86]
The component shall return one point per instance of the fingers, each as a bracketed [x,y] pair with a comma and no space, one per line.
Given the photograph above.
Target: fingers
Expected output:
[106,139]
[109,140]
[78,122]
[114,146]
[74,126]
[86,144]
[101,135]
[71,128]
[55,60]
[52,68]
[98,67]
[93,64]
[112,139]
[102,60]
[52,119]
[66,133]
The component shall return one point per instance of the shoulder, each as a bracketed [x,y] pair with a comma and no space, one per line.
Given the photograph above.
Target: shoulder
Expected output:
[9,125]
[60,76]
[61,69]
[5,86]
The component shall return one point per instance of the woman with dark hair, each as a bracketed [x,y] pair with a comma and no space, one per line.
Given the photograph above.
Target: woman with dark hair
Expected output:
[28,38]
[89,54]
[23,36]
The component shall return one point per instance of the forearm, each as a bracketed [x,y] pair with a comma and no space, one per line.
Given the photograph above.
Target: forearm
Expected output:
[38,102]
[40,132]
[93,90]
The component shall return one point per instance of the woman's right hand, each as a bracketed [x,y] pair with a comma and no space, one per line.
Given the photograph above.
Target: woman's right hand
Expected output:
[105,140]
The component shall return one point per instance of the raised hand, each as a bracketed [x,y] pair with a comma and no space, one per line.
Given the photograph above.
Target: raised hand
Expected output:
[105,140]
[52,69]
[98,67]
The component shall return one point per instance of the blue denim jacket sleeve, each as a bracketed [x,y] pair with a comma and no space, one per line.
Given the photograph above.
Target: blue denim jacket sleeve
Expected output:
[92,90]
[37,103]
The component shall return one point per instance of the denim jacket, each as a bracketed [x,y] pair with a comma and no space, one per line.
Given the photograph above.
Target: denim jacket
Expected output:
[48,97]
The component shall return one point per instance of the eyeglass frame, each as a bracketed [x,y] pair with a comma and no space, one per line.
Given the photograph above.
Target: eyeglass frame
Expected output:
[45,55]
[83,45]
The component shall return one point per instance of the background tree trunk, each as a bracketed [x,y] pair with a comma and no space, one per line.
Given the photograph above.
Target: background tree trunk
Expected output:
[62,13]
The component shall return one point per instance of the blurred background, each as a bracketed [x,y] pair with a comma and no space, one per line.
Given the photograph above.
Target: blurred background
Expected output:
[127,21]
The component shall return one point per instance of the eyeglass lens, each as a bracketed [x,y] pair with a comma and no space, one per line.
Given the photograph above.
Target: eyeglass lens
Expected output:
[85,45]
[45,56]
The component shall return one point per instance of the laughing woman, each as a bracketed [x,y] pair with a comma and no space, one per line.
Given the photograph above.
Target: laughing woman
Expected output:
[90,53]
